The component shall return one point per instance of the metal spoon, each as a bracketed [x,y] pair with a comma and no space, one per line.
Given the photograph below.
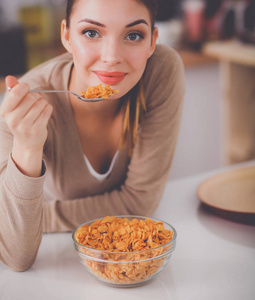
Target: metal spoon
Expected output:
[78,96]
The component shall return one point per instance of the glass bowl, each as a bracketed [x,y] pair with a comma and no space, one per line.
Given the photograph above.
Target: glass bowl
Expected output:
[125,269]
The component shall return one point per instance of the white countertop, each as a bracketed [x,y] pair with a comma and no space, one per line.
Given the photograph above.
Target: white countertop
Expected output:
[214,259]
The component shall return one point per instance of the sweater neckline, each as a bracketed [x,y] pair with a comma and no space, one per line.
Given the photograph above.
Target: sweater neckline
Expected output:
[100,176]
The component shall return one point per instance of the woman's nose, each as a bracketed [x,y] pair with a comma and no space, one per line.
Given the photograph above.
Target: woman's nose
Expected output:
[111,52]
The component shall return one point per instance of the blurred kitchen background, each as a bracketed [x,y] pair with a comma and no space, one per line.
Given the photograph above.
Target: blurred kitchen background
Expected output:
[30,34]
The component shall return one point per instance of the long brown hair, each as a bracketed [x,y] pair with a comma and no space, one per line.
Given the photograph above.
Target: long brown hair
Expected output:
[134,102]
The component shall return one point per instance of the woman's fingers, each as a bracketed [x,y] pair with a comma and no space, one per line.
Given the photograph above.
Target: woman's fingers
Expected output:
[32,129]
[10,82]
[26,114]
[25,104]
[29,115]
[13,97]
[20,105]
[43,118]
[35,112]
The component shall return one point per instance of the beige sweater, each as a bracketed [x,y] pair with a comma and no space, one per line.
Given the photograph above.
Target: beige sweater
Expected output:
[67,195]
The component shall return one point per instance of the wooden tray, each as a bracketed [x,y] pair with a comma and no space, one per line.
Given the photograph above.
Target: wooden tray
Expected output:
[231,191]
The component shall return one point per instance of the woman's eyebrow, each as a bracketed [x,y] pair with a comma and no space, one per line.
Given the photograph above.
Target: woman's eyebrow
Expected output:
[137,22]
[140,21]
[92,22]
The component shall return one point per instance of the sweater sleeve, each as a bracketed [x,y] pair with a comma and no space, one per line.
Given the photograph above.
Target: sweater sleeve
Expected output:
[151,160]
[20,209]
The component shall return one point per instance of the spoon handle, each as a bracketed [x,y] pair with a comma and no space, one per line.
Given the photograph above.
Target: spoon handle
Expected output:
[62,91]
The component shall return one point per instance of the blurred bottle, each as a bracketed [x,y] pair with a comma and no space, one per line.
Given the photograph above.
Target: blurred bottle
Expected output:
[193,13]
[232,18]
[228,19]
[248,34]
[213,18]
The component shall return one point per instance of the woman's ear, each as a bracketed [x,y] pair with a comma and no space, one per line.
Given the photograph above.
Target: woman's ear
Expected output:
[65,36]
[153,40]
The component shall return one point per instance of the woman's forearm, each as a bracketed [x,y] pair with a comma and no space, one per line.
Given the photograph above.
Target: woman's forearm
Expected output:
[28,162]
[21,200]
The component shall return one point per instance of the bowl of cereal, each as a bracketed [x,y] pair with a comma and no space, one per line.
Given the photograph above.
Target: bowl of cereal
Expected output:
[124,251]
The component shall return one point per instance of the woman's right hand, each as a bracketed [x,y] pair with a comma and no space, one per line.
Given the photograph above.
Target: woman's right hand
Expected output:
[27,115]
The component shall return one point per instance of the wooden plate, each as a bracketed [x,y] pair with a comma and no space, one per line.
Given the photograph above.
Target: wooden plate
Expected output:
[232,191]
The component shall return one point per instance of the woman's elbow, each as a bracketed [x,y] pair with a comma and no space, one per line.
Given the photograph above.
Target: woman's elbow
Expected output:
[20,256]
[19,263]
[19,267]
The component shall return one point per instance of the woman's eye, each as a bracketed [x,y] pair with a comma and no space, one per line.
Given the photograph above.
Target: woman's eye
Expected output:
[91,33]
[134,37]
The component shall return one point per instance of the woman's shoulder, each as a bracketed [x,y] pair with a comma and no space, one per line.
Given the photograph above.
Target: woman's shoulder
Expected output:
[162,51]
[164,64]
[49,73]
[163,79]
[164,57]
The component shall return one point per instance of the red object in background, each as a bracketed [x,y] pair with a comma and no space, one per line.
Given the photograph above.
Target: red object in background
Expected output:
[194,22]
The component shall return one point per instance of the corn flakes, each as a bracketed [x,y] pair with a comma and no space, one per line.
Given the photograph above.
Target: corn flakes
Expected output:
[99,92]
[130,248]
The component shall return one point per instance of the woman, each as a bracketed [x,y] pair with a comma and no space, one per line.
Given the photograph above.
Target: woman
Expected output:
[64,161]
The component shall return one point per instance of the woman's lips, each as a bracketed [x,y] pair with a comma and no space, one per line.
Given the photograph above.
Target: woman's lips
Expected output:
[110,77]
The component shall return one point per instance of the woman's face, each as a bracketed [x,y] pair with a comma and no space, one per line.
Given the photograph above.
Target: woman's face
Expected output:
[110,42]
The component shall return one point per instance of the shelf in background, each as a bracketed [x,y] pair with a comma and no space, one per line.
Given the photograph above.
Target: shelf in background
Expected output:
[232,51]
[195,59]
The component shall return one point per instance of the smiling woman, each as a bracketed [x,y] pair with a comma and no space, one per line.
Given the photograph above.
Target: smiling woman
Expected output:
[63,161]
[111,41]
